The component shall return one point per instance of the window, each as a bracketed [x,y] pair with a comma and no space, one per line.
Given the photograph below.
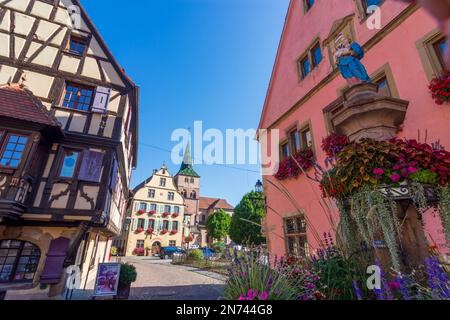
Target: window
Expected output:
[186,180]
[162,182]
[193,195]
[439,48]
[304,67]
[153,207]
[77,45]
[295,141]
[176,209]
[383,87]
[140,243]
[18,261]
[172,243]
[141,223]
[151,224]
[184,194]
[170,196]
[367,3]
[165,225]
[192,180]
[69,164]
[316,54]
[308,4]
[13,151]
[202,218]
[285,153]
[78,97]
[305,138]
[175,225]
[143,206]
[167,208]
[295,234]
[151,193]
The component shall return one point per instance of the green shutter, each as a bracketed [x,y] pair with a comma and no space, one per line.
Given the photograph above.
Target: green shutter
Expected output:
[136,206]
[145,224]
[170,226]
[134,225]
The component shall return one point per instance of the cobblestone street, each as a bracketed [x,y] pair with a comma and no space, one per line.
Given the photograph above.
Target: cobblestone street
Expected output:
[160,280]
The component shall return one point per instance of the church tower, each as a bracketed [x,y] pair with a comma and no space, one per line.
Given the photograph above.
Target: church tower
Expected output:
[188,184]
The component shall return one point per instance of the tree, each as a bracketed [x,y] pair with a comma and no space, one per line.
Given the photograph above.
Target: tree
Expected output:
[218,224]
[246,221]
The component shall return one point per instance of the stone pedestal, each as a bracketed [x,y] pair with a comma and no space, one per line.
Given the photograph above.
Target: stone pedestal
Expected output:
[364,113]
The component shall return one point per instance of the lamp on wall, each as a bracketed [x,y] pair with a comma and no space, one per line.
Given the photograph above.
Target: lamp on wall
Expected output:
[259,186]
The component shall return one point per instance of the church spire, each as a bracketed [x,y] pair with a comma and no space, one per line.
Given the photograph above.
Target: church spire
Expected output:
[186,167]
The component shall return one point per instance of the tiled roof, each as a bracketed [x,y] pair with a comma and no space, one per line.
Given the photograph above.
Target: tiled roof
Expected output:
[19,103]
[206,203]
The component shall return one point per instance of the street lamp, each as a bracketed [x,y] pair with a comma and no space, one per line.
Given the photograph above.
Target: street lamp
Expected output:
[259,186]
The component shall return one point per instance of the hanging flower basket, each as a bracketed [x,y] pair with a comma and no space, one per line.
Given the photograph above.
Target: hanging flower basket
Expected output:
[165,214]
[164,231]
[334,143]
[440,88]
[173,232]
[140,212]
[289,167]
[175,215]
[139,230]
[149,231]
[151,212]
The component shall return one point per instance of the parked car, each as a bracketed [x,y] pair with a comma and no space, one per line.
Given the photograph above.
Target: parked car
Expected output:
[208,253]
[167,252]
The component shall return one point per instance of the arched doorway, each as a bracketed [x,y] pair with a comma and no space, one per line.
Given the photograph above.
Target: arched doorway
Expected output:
[18,261]
[156,248]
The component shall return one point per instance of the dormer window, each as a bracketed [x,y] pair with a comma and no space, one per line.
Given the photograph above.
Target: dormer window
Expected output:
[77,45]
[162,182]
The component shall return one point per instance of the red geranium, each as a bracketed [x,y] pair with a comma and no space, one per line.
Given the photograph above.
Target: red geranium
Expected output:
[440,88]
[140,212]
[149,231]
[139,230]
[291,167]
[139,251]
[334,143]
[165,214]
[164,231]
[151,212]
[175,215]
[173,232]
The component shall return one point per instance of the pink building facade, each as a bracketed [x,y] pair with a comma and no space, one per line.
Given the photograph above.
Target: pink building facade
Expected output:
[402,57]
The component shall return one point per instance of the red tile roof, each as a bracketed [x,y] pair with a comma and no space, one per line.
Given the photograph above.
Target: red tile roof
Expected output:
[19,103]
[206,203]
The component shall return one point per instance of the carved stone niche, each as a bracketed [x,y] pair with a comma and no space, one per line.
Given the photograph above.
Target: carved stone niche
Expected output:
[364,113]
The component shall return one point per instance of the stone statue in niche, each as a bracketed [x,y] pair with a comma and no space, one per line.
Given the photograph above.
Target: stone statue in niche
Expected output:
[347,56]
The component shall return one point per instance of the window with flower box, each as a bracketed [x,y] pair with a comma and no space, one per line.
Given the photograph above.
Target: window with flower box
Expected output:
[165,225]
[151,224]
[295,235]
[140,243]
[174,225]
[143,206]
[141,223]
[176,209]
[167,209]
[284,151]
[153,207]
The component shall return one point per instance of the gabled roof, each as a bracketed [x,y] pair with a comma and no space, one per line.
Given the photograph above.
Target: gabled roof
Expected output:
[19,103]
[214,203]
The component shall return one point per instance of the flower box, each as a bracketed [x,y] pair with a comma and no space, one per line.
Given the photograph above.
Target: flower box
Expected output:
[440,88]
[139,251]
[164,231]
[175,215]
[139,230]
[165,214]
[151,212]
[149,231]
[173,232]
[140,212]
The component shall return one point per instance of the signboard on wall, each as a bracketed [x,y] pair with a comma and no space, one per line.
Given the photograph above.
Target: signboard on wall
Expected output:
[107,279]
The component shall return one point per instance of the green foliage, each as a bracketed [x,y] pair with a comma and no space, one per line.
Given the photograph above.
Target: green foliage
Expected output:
[196,255]
[425,176]
[218,247]
[246,221]
[128,273]
[444,210]
[218,224]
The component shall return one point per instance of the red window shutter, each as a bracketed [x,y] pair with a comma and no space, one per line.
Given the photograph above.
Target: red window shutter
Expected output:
[55,261]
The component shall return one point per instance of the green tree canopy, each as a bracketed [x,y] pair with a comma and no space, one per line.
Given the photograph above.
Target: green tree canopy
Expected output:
[245,224]
[218,224]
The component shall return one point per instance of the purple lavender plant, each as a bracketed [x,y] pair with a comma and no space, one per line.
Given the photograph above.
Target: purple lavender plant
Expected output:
[438,279]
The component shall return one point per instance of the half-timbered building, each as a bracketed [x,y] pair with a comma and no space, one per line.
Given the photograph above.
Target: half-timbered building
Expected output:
[68,143]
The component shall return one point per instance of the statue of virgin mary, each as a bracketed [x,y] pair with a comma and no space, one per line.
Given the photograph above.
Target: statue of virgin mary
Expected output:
[347,57]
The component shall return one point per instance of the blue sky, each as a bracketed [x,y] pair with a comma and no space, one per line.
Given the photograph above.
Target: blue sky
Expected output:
[207,60]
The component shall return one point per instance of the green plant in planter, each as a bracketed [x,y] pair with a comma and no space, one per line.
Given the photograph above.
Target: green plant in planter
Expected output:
[196,255]
[114,251]
[128,274]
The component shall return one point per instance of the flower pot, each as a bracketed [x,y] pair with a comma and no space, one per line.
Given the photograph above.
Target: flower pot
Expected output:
[123,291]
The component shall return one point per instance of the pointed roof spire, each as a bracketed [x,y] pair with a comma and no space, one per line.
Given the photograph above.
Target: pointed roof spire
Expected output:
[186,167]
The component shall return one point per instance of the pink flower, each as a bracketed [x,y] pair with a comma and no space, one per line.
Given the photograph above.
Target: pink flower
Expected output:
[378,171]
[394,285]
[395,177]
[242,297]
[412,169]
[264,295]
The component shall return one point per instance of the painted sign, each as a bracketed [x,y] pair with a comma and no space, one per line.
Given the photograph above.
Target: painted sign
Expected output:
[107,279]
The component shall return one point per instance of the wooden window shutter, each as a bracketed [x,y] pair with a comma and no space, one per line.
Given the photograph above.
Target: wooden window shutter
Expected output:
[134,225]
[146,224]
[136,206]
[169,225]
[91,166]
[101,100]
[55,261]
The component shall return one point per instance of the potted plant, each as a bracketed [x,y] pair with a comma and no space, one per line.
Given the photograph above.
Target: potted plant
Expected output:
[165,214]
[127,276]
[151,212]
[149,231]
[139,230]
[164,231]
[173,232]
[440,88]
[175,215]
[140,212]
[139,251]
